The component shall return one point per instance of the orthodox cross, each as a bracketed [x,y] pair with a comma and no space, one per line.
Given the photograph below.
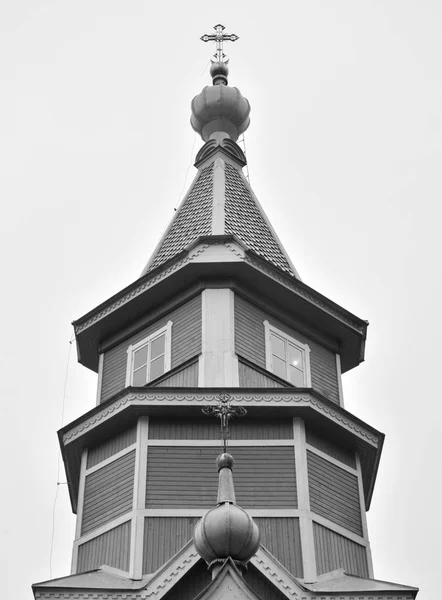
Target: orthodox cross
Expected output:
[225,411]
[219,37]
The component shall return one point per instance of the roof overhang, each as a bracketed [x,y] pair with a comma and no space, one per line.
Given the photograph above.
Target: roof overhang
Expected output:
[215,258]
[123,410]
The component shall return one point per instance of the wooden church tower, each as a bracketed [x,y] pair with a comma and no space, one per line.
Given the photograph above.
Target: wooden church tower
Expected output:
[220,318]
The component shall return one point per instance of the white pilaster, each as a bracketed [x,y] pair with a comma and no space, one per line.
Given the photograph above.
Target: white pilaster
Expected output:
[339,376]
[80,503]
[219,197]
[100,376]
[218,365]
[305,520]
[364,517]
[139,500]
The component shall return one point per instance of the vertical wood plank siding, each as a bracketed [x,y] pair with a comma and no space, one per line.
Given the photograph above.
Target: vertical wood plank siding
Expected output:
[334,551]
[186,342]
[334,493]
[190,586]
[250,343]
[261,585]
[187,377]
[186,477]
[110,447]
[331,448]
[164,537]
[249,377]
[208,429]
[112,549]
[108,492]
[281,537]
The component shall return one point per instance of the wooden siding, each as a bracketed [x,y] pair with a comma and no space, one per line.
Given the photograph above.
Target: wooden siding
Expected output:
[250,343]
[108,492]
[334,551]
[334,493]
[249,377]
[262,587]
[110,447]
[206,428]
[187,377]
[191,584]
[281,537]
[164,537]
[111,548]
[186,477]
[186,343]
[347,457]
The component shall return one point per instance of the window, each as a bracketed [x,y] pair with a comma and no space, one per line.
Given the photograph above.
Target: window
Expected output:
[149,358]
[286,357]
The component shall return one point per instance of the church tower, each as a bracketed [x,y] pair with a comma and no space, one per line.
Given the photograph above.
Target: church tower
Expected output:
[220,322]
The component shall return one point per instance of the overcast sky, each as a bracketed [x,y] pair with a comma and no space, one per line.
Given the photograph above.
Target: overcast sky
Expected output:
[344,153]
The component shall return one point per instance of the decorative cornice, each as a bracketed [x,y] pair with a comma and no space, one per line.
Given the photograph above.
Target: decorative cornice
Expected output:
[264,562]
[161,585]
[156,398]
[329,307]
[151,281]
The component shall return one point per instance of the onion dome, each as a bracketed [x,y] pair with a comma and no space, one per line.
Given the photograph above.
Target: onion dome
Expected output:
[227,530]
[220,111]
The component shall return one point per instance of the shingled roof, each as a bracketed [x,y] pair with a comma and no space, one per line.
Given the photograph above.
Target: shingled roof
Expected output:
[220,201]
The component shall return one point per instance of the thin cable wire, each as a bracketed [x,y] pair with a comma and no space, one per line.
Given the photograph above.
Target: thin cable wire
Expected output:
[58,457]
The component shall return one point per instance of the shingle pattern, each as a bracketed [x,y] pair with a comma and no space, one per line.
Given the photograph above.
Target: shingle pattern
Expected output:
[193,220]
[244,219]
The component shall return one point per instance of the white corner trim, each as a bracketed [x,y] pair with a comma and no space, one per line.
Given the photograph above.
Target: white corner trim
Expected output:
[219,197]
[139,500]
[304,348]
[100,376]
[218,363]
[167,329]
[339,376]
[80,503]
[305,521]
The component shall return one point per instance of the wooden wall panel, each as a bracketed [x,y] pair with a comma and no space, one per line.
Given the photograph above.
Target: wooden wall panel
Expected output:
[186,343]
[110,447]
[249,377]
[334,551]
[281,537]
[111,548]
[207,428]
[334,493]
[186,477]
[187,377]
[164,537]
[262,587]
[347,457]
[108,492]
[250,343]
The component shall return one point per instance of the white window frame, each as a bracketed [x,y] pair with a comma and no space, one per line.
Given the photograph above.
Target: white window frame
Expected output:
[303,348]
[167,329]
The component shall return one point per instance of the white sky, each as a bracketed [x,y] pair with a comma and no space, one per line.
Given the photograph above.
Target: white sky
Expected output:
[345,155]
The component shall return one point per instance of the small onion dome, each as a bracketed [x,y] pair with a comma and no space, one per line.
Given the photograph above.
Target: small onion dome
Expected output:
[226,530]
[220,109]
[219,72]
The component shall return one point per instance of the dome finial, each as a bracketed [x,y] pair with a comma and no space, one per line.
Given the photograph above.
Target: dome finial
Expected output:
[227,530]
[219,69]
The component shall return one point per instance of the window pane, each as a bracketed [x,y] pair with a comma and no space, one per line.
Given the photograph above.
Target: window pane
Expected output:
[156,367]
[296,376]
[139,377]
[158,346]
[295,356]
[279,367]
[278,346]
[140,357]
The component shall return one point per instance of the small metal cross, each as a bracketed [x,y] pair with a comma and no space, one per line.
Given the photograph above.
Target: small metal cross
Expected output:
[219,37]
[225,411]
